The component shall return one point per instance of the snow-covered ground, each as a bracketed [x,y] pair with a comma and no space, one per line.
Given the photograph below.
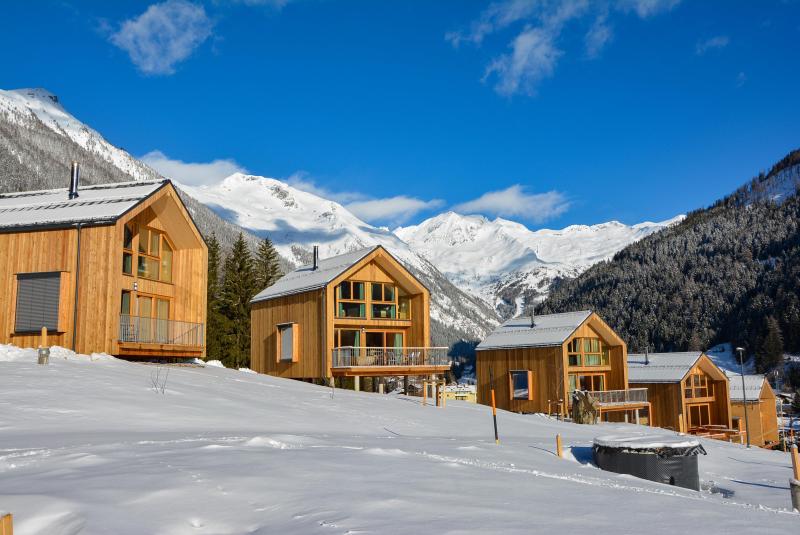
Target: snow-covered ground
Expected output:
[88,446]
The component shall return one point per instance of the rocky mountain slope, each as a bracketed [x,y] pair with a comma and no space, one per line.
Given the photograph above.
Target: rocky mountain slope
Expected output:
[511,266]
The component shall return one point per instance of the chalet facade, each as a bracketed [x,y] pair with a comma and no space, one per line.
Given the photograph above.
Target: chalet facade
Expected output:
[687,391]
[357,314]
[757,399]
[115,268]
[537,363]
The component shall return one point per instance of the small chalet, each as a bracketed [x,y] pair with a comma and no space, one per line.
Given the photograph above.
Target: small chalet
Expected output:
[758,399]
[357,314]
[536,364]
[116,268]
[687,391]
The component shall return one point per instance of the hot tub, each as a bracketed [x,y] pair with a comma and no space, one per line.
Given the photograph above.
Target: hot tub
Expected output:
[664,459]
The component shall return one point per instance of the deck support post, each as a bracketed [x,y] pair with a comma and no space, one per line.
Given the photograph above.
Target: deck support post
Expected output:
[405,385]
[357,383]
[636,416]
[381,389]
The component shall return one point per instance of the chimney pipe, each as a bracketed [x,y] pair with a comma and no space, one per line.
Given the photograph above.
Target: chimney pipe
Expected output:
[74,180]
[316,257]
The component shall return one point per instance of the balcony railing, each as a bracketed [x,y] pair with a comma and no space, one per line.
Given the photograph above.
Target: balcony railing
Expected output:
[620,397]
[345,357]
[157,331]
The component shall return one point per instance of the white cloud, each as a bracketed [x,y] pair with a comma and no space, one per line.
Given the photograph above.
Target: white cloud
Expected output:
[598,36]
[533,57]
[192,174]
[514,201]
[535,50]
[720,41]
[741,78]
[392,210]
[164,35]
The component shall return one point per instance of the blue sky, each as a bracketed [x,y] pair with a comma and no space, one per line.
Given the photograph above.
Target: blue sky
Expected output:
[549,113]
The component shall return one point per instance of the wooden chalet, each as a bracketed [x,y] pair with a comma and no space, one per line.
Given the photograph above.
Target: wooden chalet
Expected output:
[687,391]
[762,415]
[357,314]
[538,362]
[116,268]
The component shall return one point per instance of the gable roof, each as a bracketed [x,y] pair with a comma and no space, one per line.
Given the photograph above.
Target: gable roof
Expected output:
[95,204]
[549,330]
[661,367]
[306,278]
[752,386]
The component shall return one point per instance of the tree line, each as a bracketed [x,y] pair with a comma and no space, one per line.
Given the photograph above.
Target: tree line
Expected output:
[233,280]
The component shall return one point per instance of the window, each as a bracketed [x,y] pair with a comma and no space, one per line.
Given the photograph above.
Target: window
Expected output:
[587,382]
[384,305]
[154,260]
[38,296]
[127,238]
[125,303]
[587,352]
[350,300]
[127,254]
[287,341]
[403,306]
[697,386]
[521,384]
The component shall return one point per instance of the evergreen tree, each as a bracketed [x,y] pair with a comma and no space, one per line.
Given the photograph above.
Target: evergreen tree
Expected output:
[796,402]
[216,321]
[267,268]
[238,287]
[771,353]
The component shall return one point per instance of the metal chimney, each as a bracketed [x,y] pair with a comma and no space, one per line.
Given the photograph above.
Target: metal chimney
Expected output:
[316,258]
[74,180]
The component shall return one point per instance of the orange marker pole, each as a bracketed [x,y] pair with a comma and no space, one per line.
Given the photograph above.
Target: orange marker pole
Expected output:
[559,447]
[795,462]
[7,525]
[494,408]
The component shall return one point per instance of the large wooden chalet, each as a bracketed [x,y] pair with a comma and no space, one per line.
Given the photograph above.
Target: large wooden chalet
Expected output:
[357,314]
[688,392]
[115,268]
[537,362]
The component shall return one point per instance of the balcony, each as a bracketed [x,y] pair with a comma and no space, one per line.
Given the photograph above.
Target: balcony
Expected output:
[151,336]
[379,361]
[612,398]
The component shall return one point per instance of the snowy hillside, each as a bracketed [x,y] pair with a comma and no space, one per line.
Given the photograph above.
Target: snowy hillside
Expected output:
[19,105]
[506,263]
[296,220]
[88,446]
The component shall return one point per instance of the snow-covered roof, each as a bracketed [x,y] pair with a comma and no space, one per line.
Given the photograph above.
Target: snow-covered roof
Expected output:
[306,278]
[548,330]
[752,384]
[103,203]
[661,367]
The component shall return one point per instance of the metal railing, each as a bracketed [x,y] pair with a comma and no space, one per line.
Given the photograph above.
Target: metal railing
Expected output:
[345,357]
[620,397]
[157,331]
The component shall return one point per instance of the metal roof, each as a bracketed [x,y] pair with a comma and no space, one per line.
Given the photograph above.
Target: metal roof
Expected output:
[661,367]
[95,204]
[752,384]
[306,278]
[548,330]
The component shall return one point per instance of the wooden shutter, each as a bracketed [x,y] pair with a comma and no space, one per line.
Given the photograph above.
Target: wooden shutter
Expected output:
[37,301]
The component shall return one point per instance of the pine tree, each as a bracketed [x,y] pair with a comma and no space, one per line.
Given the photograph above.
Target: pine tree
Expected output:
[216,322]
[238,287]
[267,268]
[771,353]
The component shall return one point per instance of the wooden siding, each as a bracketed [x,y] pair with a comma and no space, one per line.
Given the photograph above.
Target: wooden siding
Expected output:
[666,405]
[546,365]
[762,415]
[101,278]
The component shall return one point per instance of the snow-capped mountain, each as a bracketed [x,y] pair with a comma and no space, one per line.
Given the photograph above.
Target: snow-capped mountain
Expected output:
[508,264]
[296,220]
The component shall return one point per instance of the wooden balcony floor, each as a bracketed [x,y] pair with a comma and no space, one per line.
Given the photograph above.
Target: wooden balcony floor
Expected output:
[378,371]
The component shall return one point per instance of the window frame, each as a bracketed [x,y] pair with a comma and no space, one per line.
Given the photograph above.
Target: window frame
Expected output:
[351,300]
[295,336]
[142,253]
[383,301]
[583,348]
[528,374]
[32,275]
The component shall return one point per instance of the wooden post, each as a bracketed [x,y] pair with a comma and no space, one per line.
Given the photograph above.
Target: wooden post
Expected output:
[494,407]
[436,387]
[7,525]
[44,338]
[559,448]
[424,393]
[444,394]
[795,462]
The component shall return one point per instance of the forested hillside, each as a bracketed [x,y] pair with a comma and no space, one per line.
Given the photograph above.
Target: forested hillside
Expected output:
[730,272]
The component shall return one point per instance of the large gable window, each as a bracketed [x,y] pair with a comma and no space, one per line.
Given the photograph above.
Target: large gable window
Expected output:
[384,301]
[154,258]
[351,300]
[38,296]
[521,384]
[587,352]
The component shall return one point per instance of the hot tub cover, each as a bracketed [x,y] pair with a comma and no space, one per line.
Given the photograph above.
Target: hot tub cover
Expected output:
[662,445]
